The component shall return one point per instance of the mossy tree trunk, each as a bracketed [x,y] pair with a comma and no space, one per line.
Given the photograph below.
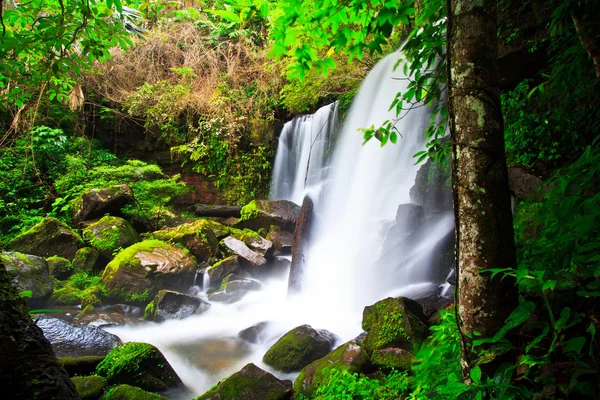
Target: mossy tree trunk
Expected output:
[28,368]
[483,218]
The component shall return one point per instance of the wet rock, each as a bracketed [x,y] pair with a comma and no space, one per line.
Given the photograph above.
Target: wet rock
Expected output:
[263,214]
[89,387]
[48,238]
[389,359]
[81,366]
[29,273]
[524,184]
[198,237]
[393,323]
[250,383]
[255,333]
[227,297]
[140,271]
[298,348]
[221,269]
[408,218]
[300,245]
[173,305]
[97,202]
[349,357]
[138,364]
[110,234]
[432,189]
[87,310]
[74,341]
[128,392]
[59,267]
[127,309]
[252,260]
[101,319]
[232,283]
[282,241]
[85,259]
[214,210]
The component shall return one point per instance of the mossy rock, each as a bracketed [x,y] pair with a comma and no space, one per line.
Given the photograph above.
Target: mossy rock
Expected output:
[137,273]
[198,237]
[138,364]
[85,259]
[298,348]
[29,273]
[110,234]
[348,357]
[127,392]
[265,214]
[250,383]
[219,270]
[89,387]
[97,202]
[173,305]
[80,365]
[48,238]
[70,295]
[392,359]
[59,267]
[392,323]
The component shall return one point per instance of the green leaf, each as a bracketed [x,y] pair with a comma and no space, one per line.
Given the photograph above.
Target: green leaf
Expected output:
[225,14]
[475,374]
[26,294]
[575,344]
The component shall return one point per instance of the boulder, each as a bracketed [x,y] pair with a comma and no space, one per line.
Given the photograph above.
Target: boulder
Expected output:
[137,273]
[89,387]
[432,189]
[198,237]
[138,364]
[173,305]
[392,358]
[349,357]
[524,184]
[85,259]
[393,323]
[48,238]
[232,283]
[127,309]
[101,319]
[250,383]
[300,244]
[97,202]
[128,392]
[298,348]
[257,243]
[255,333]
[408,218]
[110,234]
[59,267]
[282,241]
[29,273]
[81,366]
[222,296]
[215,210]
[251,260]
[73,341]
[265,214]
[221,269]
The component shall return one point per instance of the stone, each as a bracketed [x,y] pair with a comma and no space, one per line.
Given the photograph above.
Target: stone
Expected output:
[85,259]
[89,387]
[282,241]
[59,267]
[524,184]
[394,323]
[173,305]
[110,234]
[81,366]
[408,218]
[298,348]
[101,320]
[128,392]
[127,309]
[389,359]
[250,383]
[198,237]
[232,283]
[97,202]
[264,214]
[29,273]
[215,210]
[252,260]
[349,357]
[255,333]
[300,243]
[221,269]
[87,310]
[227,297]
[73,341]
[48,238]
[137,273]
[432,189]
[138,364]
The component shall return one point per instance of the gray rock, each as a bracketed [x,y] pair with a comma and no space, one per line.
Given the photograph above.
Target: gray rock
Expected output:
[214,210]
[173,305]
[251,258]
[255,333]
[282,241]
[263,214]
[29,273]
[221,269]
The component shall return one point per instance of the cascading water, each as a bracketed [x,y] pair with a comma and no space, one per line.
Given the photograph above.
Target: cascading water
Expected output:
[350,263]
[301,159]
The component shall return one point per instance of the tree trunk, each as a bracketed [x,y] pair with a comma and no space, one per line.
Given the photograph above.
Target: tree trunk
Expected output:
[28,366]
[591,48]
[300,245]
[483,218]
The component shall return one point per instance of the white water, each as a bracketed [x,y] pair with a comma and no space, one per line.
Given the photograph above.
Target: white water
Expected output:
[302,154]
[365,185]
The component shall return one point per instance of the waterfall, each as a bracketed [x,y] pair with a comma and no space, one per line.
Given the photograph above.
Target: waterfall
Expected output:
[302,154]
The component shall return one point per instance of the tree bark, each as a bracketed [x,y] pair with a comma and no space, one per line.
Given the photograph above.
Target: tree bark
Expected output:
[483,218]
[591,48]
[300,245]
[28,366]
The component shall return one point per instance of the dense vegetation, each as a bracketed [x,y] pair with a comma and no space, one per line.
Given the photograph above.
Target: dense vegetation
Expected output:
[208,83]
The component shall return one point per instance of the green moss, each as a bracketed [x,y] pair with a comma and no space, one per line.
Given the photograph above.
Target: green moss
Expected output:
[292,352]
[85,259]
[126,258]
[89,387]
[59,267]
[81,288]
[392,359]
[110,234]
[149,311]
[80,365]
[127,392]
[249,211]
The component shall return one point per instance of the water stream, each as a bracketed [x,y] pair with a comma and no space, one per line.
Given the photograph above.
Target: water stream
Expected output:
[349,264]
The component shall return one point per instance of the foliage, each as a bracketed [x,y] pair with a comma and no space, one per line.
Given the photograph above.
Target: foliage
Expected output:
[81,288]
[343,385]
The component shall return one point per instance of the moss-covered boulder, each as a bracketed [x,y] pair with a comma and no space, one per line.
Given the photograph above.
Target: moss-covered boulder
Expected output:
[29,273]
[221,269]
[251,260]
[97,202]
[48,238]
[80,366]
[80,289]
[110,234]
[298,348]
[89,387]
[174,305]
[255,242]
[59,267]
[266,214]
[85,259]
[250,383]
[348,357]
[198,237]
[282,241]
[393,323]
[137,273]
[138,364]
[128,392]
[392,359]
